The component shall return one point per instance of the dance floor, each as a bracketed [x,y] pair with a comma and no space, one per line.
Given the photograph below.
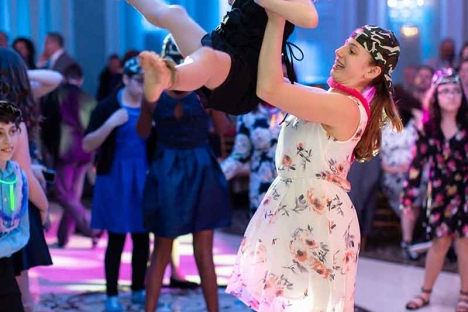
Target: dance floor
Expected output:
[76,280]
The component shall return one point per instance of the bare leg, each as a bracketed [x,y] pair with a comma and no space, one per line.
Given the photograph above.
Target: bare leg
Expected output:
[203,250]
[26,297]
[462,253]
[159,260]
[187,34]
[299,12]
[435,260]
[175,273]
[407,226]
[434,263]
[206,67]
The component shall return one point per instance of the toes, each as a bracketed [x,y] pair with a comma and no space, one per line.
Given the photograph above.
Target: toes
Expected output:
[149,59]
[144,58]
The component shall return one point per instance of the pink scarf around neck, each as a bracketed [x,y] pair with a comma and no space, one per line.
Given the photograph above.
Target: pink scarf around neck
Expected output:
[354,93]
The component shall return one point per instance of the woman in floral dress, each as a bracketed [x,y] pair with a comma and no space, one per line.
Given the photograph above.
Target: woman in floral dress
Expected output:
[300,250]
[443,144]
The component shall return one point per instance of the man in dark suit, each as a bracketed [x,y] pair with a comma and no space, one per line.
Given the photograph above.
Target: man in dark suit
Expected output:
[54,56]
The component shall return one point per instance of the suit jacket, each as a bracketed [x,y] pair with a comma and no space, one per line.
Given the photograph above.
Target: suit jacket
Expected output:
[63,62]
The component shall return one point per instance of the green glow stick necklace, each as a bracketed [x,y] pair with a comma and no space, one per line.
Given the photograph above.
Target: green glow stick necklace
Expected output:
[12,192]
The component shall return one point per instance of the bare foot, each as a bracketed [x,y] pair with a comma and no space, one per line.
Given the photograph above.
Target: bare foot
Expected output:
[157,76]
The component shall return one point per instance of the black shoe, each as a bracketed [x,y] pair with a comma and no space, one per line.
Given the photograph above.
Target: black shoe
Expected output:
[182,284]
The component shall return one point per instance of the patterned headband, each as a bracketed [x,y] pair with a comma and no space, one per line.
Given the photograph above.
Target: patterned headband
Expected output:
[383,46]
[445,76]
[132,67]
[171,51]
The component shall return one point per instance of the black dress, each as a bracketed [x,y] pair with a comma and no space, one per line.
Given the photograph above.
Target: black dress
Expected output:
[240,35]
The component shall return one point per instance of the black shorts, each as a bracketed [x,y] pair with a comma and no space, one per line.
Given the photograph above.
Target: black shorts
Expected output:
[240,35]
[237,94]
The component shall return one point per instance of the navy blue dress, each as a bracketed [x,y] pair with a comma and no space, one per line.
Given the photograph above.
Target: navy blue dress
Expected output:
[116,205]
[185,190]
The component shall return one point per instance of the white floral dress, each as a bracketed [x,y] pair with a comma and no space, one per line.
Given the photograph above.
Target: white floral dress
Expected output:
[300,250]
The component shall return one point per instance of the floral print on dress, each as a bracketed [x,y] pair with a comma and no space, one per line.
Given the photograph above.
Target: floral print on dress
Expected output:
[447,160]
[300,249]
[336,174]
[255,145]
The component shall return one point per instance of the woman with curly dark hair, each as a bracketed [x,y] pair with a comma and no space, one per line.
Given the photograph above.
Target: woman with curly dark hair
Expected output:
[443,144]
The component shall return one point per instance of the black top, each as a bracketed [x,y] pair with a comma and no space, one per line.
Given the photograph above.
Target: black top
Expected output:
[105,153]
[240,35]
[242,29]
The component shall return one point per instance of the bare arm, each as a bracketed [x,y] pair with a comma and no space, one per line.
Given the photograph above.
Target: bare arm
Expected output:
[22,157]
[94,139]
[334,110]
[299,12]
[145,120]
[43,81]
[220,121]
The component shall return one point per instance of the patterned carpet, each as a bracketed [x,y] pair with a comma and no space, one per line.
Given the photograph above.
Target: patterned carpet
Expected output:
[170,301]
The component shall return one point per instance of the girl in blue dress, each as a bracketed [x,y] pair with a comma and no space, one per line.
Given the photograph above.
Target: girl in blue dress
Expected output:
[122,162]
[185,191]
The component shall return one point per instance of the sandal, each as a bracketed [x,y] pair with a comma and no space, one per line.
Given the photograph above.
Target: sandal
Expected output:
[419,301]
[462,305]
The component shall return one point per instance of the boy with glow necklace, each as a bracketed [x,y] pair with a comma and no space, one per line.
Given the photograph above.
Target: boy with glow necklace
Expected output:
[14,219]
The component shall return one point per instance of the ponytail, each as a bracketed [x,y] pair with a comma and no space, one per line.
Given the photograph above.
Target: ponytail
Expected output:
[383,111]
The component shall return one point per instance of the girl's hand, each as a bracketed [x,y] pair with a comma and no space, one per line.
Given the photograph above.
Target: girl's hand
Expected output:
[46,224]
[44,217]
[118,118]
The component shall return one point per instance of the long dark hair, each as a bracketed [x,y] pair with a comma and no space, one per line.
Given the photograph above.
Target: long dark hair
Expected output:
[31,59]
[15,87]
[433,123]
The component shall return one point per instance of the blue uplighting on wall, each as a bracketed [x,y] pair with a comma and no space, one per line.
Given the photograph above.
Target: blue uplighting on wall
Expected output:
[415,18]
[406,11]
